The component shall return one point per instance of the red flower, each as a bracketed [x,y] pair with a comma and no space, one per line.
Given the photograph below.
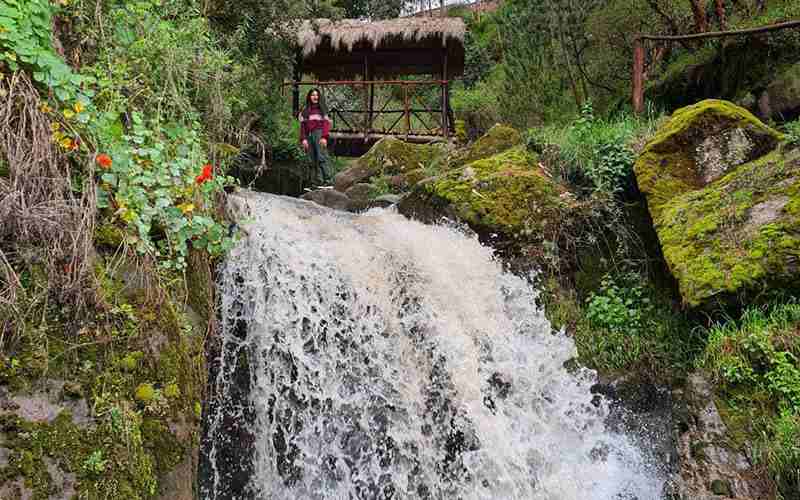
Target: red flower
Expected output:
[104,161]
[206,174]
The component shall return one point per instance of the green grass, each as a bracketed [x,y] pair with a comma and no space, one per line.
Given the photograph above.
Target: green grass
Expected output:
[755,366]
[596,151]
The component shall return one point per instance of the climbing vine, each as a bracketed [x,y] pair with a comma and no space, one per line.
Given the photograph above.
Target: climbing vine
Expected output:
[154,181]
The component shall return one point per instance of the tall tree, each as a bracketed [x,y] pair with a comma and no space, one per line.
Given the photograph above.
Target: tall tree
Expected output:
[720,6]
[700,17]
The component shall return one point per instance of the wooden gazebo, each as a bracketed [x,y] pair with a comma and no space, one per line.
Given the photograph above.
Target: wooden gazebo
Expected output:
[384,78]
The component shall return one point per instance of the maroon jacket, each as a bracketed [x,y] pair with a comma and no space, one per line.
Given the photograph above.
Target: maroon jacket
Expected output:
[316,120]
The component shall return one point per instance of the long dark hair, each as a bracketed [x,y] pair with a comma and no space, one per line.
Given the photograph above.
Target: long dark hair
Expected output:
[322,107]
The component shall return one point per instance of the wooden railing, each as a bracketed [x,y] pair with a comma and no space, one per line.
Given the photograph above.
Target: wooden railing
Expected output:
[403,108]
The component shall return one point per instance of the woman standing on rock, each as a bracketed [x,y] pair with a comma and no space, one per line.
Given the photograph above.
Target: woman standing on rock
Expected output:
[315,127]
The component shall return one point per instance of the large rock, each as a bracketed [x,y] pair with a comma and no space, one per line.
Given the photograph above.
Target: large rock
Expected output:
[388,156]
[360,195]
[709,467]
[724,195]
[499,138]
[507,193]
[328,198]
[781,99]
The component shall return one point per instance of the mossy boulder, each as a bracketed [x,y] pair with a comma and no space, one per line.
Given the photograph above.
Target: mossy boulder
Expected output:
[389,156]
[499,138]
[724,195]
[507,193]
[698,145]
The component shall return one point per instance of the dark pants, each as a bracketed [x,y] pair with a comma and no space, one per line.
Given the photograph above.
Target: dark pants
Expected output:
[321,172]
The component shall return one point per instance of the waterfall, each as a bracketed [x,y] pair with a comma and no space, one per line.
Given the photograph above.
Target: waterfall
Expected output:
[370,356]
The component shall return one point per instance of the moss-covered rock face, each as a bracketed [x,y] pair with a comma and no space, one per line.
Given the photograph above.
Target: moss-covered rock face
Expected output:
[506,193]
[499,138]
[388,156]
[104,407]
[728,222]
[698,145]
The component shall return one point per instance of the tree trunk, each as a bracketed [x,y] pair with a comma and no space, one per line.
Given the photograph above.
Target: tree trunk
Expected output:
[699,13]
[720,6]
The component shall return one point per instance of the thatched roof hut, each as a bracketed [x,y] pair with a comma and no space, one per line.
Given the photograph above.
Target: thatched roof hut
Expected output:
[347,48]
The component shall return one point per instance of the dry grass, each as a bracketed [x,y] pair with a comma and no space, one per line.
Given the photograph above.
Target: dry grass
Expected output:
[45,219]
[345,34]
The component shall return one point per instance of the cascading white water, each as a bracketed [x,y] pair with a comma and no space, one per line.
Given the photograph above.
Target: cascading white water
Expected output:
[390,359]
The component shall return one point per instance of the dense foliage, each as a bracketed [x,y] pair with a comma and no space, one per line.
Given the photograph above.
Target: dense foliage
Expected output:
[755,362]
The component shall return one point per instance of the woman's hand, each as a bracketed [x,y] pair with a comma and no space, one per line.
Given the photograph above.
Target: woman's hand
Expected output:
[305,144]
[323,142]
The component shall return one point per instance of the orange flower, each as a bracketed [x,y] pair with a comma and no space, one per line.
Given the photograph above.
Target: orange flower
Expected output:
[206,174]
[104,161]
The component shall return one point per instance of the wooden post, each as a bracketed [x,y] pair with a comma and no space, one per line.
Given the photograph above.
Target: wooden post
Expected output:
[406,108]
[371,110]
[638,75]
[367,107]
[445,128]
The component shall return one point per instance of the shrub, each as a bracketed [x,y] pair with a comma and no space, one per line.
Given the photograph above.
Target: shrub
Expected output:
[626,326]
[793,131]
[595,154]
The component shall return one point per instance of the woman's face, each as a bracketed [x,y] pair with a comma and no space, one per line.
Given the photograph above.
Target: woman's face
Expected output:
[315,97]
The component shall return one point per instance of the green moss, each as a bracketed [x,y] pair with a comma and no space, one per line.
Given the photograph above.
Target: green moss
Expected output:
[737,233]
[107,460]
[172,391]
[107,358]
[667,167]
[145,393]
[392,156]
[713,248]
[5,171]
[499,138]
[506,192]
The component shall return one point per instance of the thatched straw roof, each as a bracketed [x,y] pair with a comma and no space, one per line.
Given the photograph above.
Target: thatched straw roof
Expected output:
[408,46]
[347,34]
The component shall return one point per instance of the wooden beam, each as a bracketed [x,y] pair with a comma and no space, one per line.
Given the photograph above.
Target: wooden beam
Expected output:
[638,51]
[721,34]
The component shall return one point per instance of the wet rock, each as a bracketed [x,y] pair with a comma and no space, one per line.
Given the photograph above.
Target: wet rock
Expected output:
[385,200]
[506,194]
[723,191]
[390,157]
[46,404]
[708,468]
[359,195]
[329,198]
